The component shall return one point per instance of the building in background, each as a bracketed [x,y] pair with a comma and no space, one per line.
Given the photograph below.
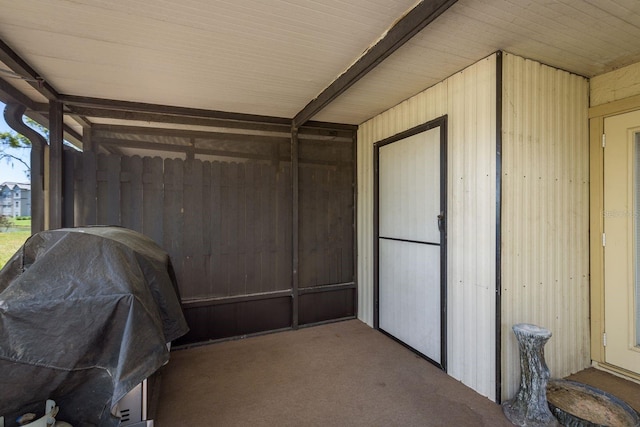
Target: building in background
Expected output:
[15,199]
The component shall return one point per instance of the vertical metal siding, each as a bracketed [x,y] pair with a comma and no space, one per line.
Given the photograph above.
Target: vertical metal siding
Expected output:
[468,98]
[545,214]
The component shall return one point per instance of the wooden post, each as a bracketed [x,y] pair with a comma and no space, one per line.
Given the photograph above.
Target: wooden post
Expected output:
[295,225]
[55,164]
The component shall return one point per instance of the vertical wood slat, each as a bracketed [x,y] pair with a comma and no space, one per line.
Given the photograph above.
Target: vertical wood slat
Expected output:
[153,198]
[215,265]
[89,188]
[132,193]
[108,189]
[102,206]
[173,217]
[68,193]
[226,232]
[78,185]
[193,247]
[238,270]
[295,224]
[252,214]
[55,164]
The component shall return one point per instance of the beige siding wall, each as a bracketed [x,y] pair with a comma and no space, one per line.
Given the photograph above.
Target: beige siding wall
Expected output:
[468,98]
[618,84]
[545,214]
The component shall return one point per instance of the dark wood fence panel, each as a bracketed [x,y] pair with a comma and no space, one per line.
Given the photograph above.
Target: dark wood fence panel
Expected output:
[326,214]
[153,198]
[171,212]
[225,218]
[131,193]
[193,242]
[108,190]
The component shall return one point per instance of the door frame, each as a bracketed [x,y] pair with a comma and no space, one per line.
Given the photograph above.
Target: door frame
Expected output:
[440,122]
[597,115]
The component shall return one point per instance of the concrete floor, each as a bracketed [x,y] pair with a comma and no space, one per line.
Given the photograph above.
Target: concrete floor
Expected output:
[340,374]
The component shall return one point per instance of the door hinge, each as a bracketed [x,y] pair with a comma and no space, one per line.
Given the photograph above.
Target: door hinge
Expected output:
[604,339]
[604,140]
[604,240]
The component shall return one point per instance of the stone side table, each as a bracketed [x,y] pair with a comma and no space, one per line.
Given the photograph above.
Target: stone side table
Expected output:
[529,407]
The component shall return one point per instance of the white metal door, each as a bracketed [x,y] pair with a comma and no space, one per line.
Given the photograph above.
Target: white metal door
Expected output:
[410,204]
[622,241]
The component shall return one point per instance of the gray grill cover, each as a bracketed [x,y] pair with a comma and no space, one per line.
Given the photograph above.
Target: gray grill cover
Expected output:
[85,315]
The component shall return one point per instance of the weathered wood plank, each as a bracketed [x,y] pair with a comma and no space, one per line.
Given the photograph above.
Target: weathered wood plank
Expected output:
[173,219]
[252,213]
[68,194]
[113,190]
[102,186]
[78,185]
[90,187]
[153,198]
[226,234]
[216,279]
[126,193]
[282,183]
[192,232]
[234,284]
[132,195]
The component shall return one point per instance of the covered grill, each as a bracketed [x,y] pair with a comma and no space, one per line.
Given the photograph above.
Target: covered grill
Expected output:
[85,315]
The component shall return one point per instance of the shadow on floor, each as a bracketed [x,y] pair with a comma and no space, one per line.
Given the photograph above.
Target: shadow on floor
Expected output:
[340,374]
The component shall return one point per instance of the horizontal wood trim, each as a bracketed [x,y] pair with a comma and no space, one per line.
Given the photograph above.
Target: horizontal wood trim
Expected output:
[184,133]
[205,302]
[114,104]
[615,107]
[144,116]
[311,128]
[265,295]
[327,288]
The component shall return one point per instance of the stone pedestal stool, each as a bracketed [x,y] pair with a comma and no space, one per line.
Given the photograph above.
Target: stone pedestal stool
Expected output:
[529,407]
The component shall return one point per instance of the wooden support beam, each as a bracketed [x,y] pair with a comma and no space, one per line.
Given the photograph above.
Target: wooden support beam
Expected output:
[137,111]
[185,134]
[180,120]
[55,165]
[403,30]
[10,95]
[20,67]
[141,107]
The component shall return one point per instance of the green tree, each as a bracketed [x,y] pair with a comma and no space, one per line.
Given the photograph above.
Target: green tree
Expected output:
[11,143]
[5,222]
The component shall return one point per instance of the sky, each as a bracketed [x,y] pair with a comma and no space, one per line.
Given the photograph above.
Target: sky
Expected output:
[15,171]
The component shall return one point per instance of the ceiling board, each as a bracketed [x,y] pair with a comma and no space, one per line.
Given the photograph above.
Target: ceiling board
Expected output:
[272,58]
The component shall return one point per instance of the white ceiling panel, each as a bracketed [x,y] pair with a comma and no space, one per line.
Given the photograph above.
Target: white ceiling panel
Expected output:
[256,57]
[585,37]
[273,57]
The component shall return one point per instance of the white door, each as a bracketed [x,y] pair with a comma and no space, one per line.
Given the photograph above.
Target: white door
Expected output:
[622,240]
[410,241]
